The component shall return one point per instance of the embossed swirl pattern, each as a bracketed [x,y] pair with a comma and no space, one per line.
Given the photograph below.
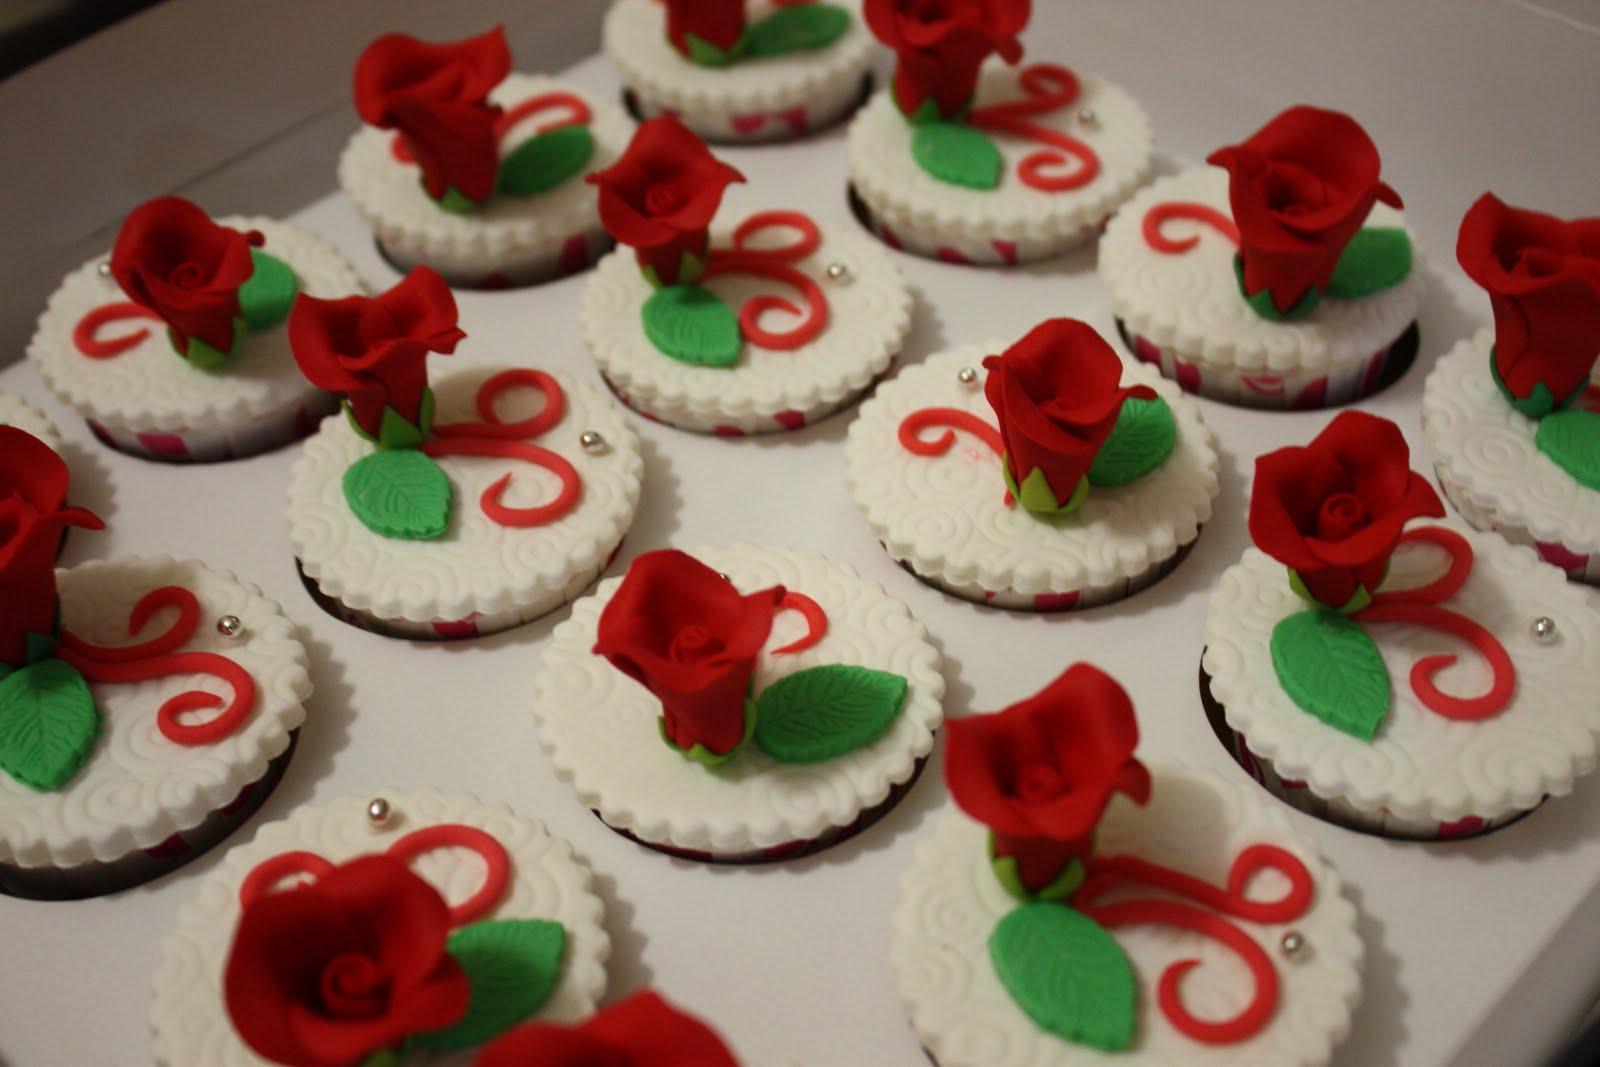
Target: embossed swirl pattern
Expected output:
[944,514]
[148,385]
[1422,765]
[188,1018]
[600,726]
[137,788]
[1190,302]
[1485,450]
[869,318]
[15,411]
[1196,822]
[478,565]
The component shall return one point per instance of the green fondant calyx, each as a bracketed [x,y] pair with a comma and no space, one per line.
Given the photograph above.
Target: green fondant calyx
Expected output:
[206,357]
[1358,600]
[395,431]
[702,53]
[1037,497]
[1538,403]
[957,154]
[1572,440]
[1262,304]
[1067,974]
[384,1057]
[1332,669]
[399,493]
[48,723]
[267,295]
[455,201]
[545,161]
[826,712]
[1141,441]
[1377,258]
[512,967]
[692,325]
[1005,872]
[700,753]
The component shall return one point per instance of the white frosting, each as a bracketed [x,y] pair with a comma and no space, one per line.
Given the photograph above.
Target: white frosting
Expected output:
[189,1017]
[945,517]
[600,726]
[1189,306]
[1422,769]
[519,236]
[15,411]
[137,788]
[504,574]
[869,317]
[150,389]
[1484,452]
[1196,822]
[935,218]
[776,98]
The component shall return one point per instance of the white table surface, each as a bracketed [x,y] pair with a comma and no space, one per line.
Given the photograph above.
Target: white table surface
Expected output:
[1480,952]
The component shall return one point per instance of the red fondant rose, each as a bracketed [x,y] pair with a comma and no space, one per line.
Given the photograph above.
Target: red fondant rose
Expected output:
[1300,189]
[374,350]
[642,1031]
[683,631]
[1057,394]
[716,22]
[1333,511]
[660,197]
[1543,278]
[172,259]
[33,494]
[1040,773]
[940,44]
[326,974]
[436,95]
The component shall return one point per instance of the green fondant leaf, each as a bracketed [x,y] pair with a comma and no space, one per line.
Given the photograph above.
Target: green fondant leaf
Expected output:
[796,29]
[401,494]
[692,325]
[1067,974]
[267,295]
[927,111]
[1036,496]
[705,54]
[1261,303]
[957,154]
[512,966]
[544,162]
[48,724]
[699,753]
[1331,668]
[1537,404]
[456,202]
[826,712]
[1572,440]
[205,357]
[1005,872]
[1376,259]
[1141,441]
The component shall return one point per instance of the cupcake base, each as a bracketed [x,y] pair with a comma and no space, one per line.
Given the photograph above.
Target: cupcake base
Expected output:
[262,434]
[1296,391]
[97,879]
[551,261]
[756,126]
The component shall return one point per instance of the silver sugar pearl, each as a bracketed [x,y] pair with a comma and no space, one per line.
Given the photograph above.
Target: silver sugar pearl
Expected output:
[379,812]
[839,272]
[592,442]
[1544,629]
[104,268]
[1294,945]
[967,376]
[230,626]
[1088,118]
[724,576]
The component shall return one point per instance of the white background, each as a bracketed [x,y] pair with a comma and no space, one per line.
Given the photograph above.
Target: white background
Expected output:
[1480,952]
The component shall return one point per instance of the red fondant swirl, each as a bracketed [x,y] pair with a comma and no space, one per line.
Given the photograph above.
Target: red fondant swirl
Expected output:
[508,440]
[816,622]
[86,334]
[577,114]
[1107,873]
[777,264]
[1160,214]
[950,420]
[1049,88]
[158,658]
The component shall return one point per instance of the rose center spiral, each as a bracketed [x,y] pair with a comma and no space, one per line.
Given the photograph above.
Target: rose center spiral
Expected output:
[1039,782]
[353,986]
[694,642]
[663,199]
[1341,515]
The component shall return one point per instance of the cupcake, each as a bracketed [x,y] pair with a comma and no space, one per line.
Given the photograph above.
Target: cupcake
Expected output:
[642,1031]
[472,170]
[1512,415]
[659,314]
[15,411]
[147,706]
[1407,679]
[1081,908]
[1075,480]
[383,931]
[740,705]
[453,508]
[1285,278]
[983,164]
[741,71]
[174,348]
